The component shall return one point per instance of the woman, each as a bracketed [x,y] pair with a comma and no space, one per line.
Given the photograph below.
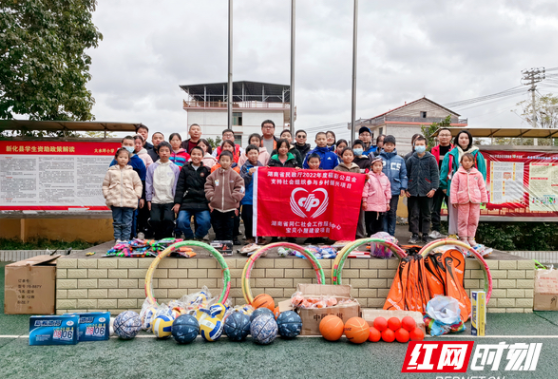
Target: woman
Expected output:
[208,160]
[463,144]
[341,145]
[141,151]
[179,156]
[379,144]
[228,146]
[330,140]
[283,158]
[263,157]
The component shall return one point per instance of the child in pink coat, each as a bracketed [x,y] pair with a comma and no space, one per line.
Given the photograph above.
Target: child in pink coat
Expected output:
[375,197]
[468,192]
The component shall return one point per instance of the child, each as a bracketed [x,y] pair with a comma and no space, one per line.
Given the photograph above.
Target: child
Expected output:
[122,189]
[329,159]
[341,145]
[263,157]
[141,151]
[468,192]
[283,158]
[396,171]
[160,186]
[313,161]
[376,197]
[189,198]
[347,164]
[224,189]
[424,180]
[208,160]
[363,161]
[247,173]
[228,146]
[179,156]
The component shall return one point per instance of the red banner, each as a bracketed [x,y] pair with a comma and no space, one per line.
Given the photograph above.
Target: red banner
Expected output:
[306,203]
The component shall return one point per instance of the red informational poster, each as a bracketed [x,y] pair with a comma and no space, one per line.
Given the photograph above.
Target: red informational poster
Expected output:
[37,175]
[306,203]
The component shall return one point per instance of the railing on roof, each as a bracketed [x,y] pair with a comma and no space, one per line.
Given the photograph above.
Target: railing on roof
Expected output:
[236,104]
[424,120]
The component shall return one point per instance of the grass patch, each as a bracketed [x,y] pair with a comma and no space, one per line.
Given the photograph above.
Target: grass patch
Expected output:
[43,244]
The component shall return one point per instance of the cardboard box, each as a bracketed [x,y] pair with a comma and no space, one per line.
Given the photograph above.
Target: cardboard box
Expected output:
[224,247]
[311,317]
[53,330]
[478,313]
[30,286]
[94,326]
[370,314]
[546,290]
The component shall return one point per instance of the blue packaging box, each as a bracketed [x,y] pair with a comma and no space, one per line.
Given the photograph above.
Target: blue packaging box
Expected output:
[53,330]
[94,326]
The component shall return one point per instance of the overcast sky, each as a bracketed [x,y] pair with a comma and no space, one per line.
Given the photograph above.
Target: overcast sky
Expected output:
[445,50]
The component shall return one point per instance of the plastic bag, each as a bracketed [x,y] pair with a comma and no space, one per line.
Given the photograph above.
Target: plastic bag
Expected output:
[378,250]
[443,316]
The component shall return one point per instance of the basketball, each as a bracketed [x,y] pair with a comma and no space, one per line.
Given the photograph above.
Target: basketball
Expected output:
[211,329]
[127,325]
[357,330]
[374,335]
[217,310]
[388,335]
[185,329]
[402,335]
[289,324]
[417,335]
[380,323]
[259,312]
[408,323]
[264,301]
[162,326]
[264,329]
[237,326]
[394,323]
[331,327]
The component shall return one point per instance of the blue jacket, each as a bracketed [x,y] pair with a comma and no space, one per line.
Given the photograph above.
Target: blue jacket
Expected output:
[370,152]
[396,171]
[329,160]
[248,198]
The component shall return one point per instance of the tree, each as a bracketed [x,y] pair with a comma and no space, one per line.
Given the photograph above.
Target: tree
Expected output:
[214,142]
[546,114]
[43,65]
[428,130]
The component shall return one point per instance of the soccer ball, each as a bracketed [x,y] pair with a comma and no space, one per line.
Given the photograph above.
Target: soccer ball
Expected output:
[127,325]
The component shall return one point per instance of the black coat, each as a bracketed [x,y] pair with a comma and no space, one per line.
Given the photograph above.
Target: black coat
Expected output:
[190,193]
[153,154]
[363,162]
[290,162]
[303,150]
[294,151]
[423,174]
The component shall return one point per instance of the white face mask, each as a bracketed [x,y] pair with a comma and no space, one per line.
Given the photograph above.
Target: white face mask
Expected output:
[358,151]
[130,149]
[420,149]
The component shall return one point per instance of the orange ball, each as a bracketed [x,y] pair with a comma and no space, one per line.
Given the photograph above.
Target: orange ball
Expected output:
[388,335]
[375,335]
[394,323]
[408,323]
[380,323]
[263,301]
[402,335]
[417,334]
[357,330]
[276,312]
[331,327]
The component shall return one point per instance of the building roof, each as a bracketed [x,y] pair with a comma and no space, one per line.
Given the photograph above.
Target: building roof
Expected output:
[253,91]
[85,126]
[416,101]
[505,132]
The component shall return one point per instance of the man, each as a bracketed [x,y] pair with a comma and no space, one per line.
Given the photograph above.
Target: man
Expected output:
[195,133]
[269,141]
[156,138]
[439,152]
[301,145]
[143,131]
[228,135]
[365,135]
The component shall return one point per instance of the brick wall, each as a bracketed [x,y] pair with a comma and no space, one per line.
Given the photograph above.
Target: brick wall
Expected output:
[117,284]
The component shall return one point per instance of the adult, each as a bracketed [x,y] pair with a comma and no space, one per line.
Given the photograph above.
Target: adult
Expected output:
[286,134]
[269,141]
[263,154]
[439,152]
[195,133]
[301,145]
[156,138]
[178,156]
[379,144]
[189,197]
[331,140]
[361,160]
[340,146]
[463,142]
[283,158]
[208,160]
[144,132]
[228,135]
[365,135]
[140,151]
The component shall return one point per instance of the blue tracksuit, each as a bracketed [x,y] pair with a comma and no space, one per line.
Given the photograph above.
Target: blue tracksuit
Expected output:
[329,159]
[396,171]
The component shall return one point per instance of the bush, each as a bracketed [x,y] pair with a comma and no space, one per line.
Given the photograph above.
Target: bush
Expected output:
[43,244]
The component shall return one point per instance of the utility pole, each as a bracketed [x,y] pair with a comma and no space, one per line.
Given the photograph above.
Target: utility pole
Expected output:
[531,77]
[292,93]
[230,75]
[354,78]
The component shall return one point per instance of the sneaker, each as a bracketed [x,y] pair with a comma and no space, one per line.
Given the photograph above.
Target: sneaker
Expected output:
[472,242]
[414,239]
[436,235]
[452,236]
[141,235]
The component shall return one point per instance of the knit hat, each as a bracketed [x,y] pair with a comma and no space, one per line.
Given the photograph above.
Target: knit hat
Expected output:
[389,139]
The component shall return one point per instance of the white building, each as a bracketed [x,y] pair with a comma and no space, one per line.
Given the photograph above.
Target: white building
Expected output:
[253,102]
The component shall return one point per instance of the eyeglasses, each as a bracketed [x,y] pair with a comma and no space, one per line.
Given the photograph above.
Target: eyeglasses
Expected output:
[301,136]
[268,127]
[228,135]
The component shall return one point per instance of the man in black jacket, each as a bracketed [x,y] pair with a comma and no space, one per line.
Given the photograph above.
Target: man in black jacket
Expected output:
[156,138]
[301,144]
[189,198]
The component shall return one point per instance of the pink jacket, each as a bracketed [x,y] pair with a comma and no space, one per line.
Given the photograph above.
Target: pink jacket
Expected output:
[263,158]
[468,187]
[377,192]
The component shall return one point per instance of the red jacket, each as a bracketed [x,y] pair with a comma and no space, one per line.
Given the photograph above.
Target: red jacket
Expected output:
[436,152]
[236,154]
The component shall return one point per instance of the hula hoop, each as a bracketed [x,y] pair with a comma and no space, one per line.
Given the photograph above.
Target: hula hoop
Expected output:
[225,268]
[247,292]
[448,241]
[339,262]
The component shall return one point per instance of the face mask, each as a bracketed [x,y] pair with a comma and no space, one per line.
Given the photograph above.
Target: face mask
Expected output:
[420,149]
[358,151]
[130,149]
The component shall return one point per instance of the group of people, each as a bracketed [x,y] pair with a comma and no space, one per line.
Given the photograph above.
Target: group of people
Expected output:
[157,189]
